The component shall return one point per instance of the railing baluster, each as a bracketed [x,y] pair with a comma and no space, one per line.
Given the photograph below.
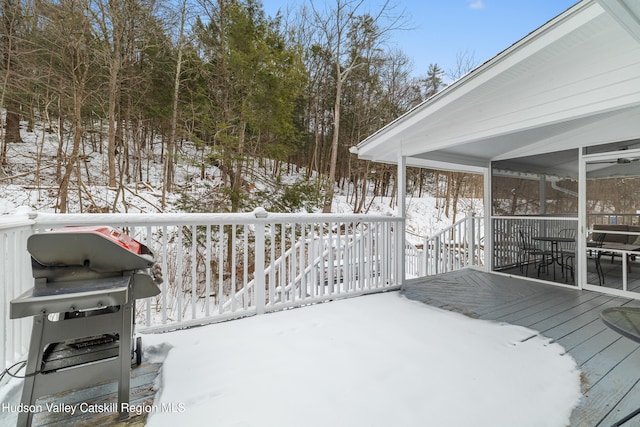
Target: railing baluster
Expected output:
[360,258]
[259,276]
[282,268]
[293,263]
[245,269]
[321,260]
[232,285]
[311,257]
[272,271]
[207,270]
[331,280]
[220,294]
[164,282]
[194,266]
[178,284]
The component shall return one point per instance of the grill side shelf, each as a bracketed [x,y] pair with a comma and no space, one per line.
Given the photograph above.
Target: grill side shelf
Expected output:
[28,304]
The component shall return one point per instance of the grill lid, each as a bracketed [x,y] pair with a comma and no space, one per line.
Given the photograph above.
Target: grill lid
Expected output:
[99,249]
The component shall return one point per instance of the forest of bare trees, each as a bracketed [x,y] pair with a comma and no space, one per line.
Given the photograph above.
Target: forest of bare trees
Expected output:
[115,77]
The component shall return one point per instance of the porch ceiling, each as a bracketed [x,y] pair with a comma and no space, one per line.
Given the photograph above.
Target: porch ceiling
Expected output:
[572,83]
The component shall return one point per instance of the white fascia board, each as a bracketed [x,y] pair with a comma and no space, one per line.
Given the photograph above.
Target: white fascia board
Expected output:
[444,166]
[626,13]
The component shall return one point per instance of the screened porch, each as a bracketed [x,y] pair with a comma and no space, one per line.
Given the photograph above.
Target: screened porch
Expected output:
[536,212]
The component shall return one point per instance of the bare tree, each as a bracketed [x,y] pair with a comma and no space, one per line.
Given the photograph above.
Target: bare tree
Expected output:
[338,34]
[10,22]
[171,143]
[110,16]
[70,48]
[465,62]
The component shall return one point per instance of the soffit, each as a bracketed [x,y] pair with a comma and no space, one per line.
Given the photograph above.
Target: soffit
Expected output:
[561,82]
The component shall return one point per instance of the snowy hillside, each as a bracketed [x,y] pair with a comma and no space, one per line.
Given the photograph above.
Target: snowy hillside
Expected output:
[30,180]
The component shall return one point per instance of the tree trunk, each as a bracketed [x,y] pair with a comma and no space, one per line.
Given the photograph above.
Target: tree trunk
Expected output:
[73,158]
[9,22]
[363,196]
[328,201]
[60,135]
[171,143]
[12,132]
[115,65]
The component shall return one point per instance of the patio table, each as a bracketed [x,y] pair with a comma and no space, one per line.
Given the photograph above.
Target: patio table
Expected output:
[626,322]
[553,241]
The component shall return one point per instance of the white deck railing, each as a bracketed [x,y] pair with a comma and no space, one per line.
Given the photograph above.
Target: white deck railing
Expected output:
[223,266]
[459,246]
[15,278]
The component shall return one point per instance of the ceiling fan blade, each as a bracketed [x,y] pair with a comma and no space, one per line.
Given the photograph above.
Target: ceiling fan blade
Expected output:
[604,162]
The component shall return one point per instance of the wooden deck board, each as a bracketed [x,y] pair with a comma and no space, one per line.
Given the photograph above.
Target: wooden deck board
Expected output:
[611,387]
[550,309]
[582,335]
[142,393]
[573,318]
[610,363]
[523,307]
[593,346]
[629,403]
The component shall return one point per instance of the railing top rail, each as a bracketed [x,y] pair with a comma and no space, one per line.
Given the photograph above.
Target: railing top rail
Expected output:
[15,221]
[448,229]
[258,216]
[452,226]
[537,217]
[611,214]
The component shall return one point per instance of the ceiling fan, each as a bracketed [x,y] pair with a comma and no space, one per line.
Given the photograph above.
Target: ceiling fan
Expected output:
[618,161]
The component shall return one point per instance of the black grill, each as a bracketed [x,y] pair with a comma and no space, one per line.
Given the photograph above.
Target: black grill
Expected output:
[86,281]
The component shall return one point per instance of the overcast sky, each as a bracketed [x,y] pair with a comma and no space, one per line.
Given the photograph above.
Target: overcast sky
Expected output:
[444,29]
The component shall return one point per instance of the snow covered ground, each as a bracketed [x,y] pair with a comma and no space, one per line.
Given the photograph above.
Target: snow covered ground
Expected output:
[22,188]
[379,360]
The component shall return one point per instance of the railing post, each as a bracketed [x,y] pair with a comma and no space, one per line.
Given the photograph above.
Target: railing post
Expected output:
[258,275]
[438,257]
[401,251]
[425,258]
[471,236]
[625,256]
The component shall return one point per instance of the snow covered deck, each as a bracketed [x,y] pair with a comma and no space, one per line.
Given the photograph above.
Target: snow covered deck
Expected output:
[610,364]
[376,360]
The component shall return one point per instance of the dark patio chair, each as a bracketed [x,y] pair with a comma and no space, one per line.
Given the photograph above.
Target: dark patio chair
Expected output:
[598,244]
[567,253]
[529,251]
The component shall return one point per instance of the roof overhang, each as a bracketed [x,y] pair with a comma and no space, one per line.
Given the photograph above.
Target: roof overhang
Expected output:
[574,82]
